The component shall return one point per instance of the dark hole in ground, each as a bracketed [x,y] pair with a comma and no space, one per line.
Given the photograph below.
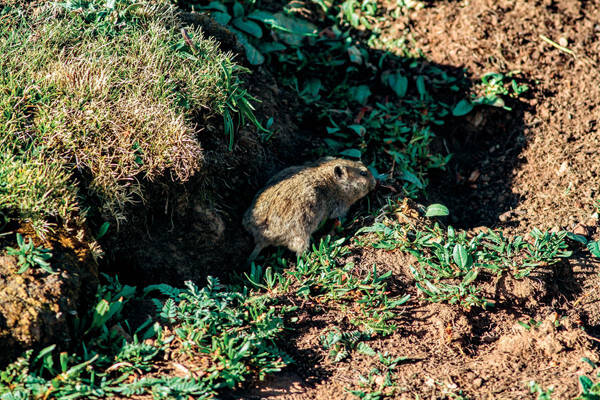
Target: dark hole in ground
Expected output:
[486,148]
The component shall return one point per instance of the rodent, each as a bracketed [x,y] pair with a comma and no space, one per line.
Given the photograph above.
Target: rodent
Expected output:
[295,201]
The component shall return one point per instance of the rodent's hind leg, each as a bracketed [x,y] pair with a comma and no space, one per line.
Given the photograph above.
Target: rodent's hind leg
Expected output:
[299,245]
[257,249]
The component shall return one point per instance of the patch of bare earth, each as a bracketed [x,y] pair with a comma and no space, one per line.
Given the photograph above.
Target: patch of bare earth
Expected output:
[555,177]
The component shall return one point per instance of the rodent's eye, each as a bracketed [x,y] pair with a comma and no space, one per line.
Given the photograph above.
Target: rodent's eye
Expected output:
[363,173]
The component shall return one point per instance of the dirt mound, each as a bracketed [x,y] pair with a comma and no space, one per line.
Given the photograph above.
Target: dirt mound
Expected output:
[37,308]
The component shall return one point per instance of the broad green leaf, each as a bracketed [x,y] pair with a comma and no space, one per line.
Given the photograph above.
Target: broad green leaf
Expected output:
[460,256]
[312,86]
[397,82]
[462,108]
[252,54]
[412,178]
[594,248]
[586,384]
[355,153]
[358,129]
[221,17]
[292,30]
[20,240]
[263,16]
[250,27]
[238,10]
[24,268]
[437,210]
[295,25]
[269,47]
[421,86]
[578,238]
[360,93]
[470,276]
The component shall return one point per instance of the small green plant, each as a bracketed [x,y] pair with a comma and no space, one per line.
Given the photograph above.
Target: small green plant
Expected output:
[379,382]
[589,389]
[230,332]
[340,343]
[494,86]
[234,331]
[28,255]
[593,246]
[319,276]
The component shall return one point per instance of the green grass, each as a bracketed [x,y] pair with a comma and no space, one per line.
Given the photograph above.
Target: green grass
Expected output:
[385,112]
[220,335]
[102,96]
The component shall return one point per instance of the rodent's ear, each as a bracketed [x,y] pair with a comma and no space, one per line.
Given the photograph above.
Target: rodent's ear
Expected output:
[339,171]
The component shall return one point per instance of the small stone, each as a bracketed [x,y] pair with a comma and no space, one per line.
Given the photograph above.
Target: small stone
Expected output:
[563,42]
[562,169]
[505,216]
[477,382]
[581,229]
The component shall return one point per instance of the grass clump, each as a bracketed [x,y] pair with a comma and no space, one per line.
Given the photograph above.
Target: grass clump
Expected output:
[110,92]
[34,187]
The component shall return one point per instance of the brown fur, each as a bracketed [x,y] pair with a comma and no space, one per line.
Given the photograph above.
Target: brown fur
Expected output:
[293,203]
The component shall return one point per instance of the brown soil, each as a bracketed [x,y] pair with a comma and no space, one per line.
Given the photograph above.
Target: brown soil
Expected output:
[538,162]
[37,309]
[537,167]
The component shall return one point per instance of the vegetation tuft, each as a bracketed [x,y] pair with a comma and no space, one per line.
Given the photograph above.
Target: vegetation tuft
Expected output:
[214,336]
[75,114]
[449,262]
